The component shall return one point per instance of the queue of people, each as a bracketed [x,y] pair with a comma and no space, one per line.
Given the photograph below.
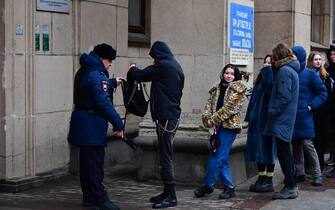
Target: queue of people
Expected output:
[286,109]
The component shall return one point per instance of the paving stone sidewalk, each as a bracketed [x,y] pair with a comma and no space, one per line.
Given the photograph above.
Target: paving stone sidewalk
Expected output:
[65,194]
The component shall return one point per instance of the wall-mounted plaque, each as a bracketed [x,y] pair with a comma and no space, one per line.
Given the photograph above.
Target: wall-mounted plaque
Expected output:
[62,6]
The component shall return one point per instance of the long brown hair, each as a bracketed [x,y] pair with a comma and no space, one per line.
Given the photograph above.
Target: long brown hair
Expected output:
[323,72]
[281,51]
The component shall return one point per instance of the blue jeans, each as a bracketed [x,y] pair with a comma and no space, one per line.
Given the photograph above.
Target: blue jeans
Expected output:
[218,164]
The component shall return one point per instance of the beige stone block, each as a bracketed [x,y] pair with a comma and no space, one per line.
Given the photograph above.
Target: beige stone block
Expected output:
[19,85]
[303,6]
[9,168]
[7,83]
[121,69]
[8,141]
[51,127]
[62,34]
[111,2]
[144,52]
[19,165]
[270,31]
[2,165]
[187,64]
[273,5]
[19,20]
[190,27]
[206,72]
[51,145]
[54,83]
[43,161]
[60,153]
[98,24]
[2,35]
[122,3]
[133,52]
[19,140]
[122,32]
[2,138]
[302,30]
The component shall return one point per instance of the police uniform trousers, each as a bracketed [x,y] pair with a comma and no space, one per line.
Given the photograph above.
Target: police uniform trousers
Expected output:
[92,174]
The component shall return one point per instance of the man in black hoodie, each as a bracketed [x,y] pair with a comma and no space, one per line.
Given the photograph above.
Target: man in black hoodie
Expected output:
[167,84]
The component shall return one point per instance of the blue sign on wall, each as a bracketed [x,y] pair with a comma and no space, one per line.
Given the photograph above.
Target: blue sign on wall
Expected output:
[241,27]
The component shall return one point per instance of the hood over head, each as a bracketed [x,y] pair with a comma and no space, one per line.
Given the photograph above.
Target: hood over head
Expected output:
[160,50]
[300,52]
[295,64]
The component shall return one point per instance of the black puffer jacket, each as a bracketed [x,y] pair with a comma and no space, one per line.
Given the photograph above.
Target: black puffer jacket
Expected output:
[167,79]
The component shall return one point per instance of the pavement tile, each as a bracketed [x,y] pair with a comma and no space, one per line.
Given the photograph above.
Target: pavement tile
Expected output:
[65,194]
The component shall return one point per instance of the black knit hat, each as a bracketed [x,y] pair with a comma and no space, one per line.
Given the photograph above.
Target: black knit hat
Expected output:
[105,51]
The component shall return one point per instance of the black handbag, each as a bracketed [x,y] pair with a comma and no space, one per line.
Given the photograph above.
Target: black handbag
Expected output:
[214,142]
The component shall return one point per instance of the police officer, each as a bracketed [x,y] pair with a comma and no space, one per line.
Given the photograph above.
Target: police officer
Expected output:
[93,109]
[167,79]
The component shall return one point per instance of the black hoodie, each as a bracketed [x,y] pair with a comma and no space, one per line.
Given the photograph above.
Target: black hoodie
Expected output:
[167,84]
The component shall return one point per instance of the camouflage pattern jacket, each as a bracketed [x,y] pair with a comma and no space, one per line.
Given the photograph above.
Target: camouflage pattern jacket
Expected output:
[229,115]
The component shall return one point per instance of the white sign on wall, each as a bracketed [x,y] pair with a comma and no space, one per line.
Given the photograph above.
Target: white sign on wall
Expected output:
[239,56]
[62,6]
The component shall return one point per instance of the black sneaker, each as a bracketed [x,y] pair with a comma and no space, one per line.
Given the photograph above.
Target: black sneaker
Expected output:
[157,197]
[259,181]
[266,186]
[200,192]
[167,201]
[331,174]
[286,193]
[87,204]
[227,193]
[317,181]
[300,178]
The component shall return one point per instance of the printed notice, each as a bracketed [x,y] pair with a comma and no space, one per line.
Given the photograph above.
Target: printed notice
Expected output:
[62,6]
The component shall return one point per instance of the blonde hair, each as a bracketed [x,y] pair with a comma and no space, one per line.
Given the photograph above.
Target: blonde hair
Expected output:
[323,72]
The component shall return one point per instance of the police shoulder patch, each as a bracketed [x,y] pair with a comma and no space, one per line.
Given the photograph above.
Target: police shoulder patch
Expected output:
[104,86]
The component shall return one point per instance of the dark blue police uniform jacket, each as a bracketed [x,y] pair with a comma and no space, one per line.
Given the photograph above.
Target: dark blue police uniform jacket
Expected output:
[93,106]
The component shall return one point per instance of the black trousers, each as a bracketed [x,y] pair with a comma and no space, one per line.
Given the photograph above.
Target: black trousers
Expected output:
[286,161]
[92,174]
[166,130]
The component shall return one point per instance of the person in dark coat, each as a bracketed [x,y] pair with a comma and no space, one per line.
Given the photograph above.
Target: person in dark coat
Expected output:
[93,109]
[320,116]
[167,79]
[312,94]
[282,114]
[330,105]
[261,148]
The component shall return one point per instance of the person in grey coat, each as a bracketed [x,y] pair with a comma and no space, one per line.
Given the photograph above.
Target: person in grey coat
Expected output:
[282,114]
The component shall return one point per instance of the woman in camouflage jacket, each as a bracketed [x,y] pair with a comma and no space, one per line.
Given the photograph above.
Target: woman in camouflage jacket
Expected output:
[223,114]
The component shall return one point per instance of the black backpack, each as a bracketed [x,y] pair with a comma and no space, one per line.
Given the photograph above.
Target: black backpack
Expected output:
[134,99]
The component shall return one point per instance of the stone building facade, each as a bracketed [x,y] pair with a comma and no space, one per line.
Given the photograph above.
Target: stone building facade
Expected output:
[39,53]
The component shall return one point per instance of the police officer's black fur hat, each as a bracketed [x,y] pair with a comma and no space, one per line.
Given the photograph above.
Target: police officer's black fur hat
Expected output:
[105,51]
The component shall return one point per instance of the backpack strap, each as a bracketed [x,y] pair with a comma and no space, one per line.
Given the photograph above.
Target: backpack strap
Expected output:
[144,86]
[132,92]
